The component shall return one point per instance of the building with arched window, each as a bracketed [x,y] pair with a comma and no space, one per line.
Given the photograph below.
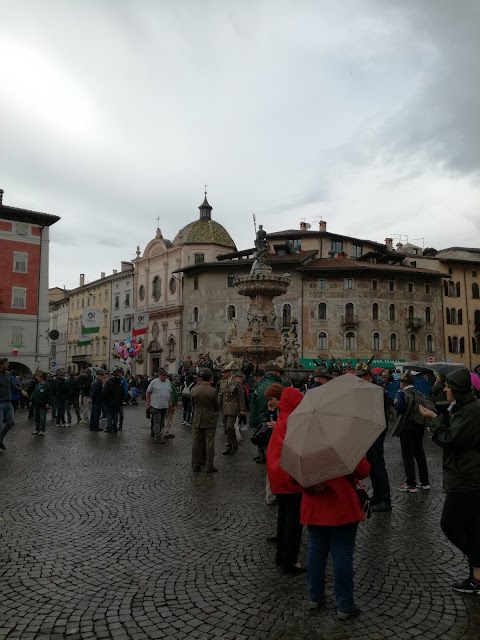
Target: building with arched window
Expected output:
[159,288]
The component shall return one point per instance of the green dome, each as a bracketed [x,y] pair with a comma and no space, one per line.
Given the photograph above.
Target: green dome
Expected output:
[204,232]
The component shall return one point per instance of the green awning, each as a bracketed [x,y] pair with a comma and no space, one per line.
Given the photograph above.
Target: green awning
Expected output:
[311,364]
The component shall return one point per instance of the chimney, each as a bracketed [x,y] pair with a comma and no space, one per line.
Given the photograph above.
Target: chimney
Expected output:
[303,225]
[126,266]
[323,226]
[102,275]
[114,271]
[82,279]
[399,246]
[389,244]
[1,197]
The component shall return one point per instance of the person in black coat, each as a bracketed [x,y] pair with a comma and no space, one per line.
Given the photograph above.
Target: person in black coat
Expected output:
[113,395]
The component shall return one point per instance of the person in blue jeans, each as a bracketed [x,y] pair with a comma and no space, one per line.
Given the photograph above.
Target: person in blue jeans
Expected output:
[41,401]
[7,386]
[331,511]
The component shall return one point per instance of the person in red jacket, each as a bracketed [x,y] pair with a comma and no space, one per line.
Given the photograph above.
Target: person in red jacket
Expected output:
[331,511]
[288,493]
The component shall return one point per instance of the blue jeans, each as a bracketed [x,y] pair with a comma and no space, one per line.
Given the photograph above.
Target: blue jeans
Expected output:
[7,418]
[158,420]
[340,541]
[95,415]
[40,419]
[112,417]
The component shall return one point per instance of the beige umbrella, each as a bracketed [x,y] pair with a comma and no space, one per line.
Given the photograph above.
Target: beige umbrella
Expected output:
[331,430]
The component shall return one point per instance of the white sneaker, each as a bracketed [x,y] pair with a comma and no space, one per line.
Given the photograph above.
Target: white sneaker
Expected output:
[425,487]
[407,488]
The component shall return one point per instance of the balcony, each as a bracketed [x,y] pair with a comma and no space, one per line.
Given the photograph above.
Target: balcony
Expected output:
[414,324]
[193,326]
[350,321]
[82,358]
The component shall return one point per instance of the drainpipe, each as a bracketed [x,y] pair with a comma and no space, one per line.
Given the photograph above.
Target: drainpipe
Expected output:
[38,300]
[468,319]
[301,315]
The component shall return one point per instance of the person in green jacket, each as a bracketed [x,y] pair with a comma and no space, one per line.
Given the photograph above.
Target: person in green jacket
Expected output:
[258,402]
[171,410]
[457,431]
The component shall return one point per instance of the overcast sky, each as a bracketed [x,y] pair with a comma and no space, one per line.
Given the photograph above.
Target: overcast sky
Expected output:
[114,112]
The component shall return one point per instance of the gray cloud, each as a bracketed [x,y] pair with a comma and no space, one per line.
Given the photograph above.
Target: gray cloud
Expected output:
[114,113]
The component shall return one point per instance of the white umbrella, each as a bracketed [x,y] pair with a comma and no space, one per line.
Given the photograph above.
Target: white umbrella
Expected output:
[331,430]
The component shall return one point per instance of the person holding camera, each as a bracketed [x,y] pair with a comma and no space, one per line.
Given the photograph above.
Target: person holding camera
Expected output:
[457,432]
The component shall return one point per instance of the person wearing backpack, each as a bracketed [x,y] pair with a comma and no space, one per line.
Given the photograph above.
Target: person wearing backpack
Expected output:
[185,391]
[410,428]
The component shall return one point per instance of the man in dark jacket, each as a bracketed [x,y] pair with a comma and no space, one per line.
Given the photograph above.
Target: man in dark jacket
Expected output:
[61,392]
[73,392]
[113,396]
[411,437]
[96,400]
[41,400]
[205,401]
[457,431]
[7,385]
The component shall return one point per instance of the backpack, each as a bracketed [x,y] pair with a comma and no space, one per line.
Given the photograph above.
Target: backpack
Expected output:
[186,390]
[419,400]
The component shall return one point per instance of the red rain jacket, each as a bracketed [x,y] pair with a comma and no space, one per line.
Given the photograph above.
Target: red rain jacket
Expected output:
[338,504]
[280,481]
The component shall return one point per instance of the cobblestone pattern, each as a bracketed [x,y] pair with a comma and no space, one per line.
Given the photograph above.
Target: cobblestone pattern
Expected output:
[106,536]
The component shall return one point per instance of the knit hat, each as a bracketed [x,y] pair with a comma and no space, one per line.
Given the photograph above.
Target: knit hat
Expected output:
[459,382]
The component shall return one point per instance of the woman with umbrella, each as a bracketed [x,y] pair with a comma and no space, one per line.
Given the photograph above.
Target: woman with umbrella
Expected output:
[457,431]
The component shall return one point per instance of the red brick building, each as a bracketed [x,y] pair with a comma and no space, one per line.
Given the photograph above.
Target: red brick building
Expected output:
[24,243]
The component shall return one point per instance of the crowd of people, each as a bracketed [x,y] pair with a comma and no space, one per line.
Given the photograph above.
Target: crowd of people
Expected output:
[331,510]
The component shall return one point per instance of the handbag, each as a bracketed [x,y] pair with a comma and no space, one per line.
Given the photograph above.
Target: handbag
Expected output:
[363,498]
[261,435]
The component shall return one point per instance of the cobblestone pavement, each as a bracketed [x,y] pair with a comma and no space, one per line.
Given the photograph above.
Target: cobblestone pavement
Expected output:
[106,536]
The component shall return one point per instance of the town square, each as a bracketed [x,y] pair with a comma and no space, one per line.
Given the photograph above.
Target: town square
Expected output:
[248,408]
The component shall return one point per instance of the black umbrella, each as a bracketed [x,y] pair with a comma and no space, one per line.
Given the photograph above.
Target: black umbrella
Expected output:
[443,368]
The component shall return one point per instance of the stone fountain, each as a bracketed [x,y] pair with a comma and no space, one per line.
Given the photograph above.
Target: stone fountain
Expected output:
[262,340]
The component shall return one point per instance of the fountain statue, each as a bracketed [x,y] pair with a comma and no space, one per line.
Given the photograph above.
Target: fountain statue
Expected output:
[262,341]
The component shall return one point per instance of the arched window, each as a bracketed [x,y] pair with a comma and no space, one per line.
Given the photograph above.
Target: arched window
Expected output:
[195,314]
[453,316]
[428,315]
[461,348]
[445,288]
[171,348]
[231,312]
[231,280]
[195,342]
[411,312]
[450,344]
[476,320]
[457,289]
[451,289]
[475,291]
[475,345]
[413,342]
[429,343]
[374,311]
[286,315]
[195,283]
[156,288]
[349,341]
[322,311]
[455,344]
[460,317]
[392,342]
[447,313]
[322,341]
[376,341]
[349,310]
[391,312]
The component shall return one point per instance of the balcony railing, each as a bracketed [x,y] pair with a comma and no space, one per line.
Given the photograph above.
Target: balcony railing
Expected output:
[413,324]
[350,320]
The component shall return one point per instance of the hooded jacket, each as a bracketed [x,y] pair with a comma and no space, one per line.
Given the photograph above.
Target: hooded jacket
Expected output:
[280,481]
[458,433]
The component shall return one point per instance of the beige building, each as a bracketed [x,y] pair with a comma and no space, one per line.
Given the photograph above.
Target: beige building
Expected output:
[460,297]
[159,287]
[351,297]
